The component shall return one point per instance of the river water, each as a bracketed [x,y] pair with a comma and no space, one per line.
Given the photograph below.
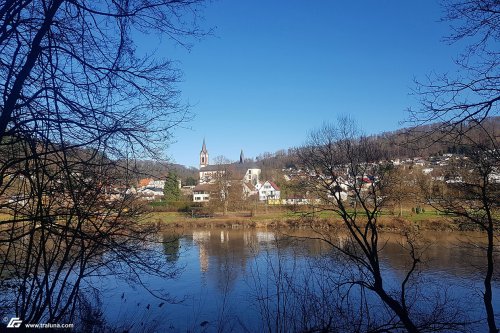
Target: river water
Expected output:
[234,280]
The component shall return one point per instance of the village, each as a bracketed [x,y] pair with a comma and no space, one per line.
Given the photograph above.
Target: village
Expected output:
[242,181]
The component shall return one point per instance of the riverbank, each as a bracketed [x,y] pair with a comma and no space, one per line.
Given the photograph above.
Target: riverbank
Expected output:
[274,219]
[287,219]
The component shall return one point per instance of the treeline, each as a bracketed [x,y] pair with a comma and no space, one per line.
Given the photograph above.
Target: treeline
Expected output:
[421,141]
[160,169]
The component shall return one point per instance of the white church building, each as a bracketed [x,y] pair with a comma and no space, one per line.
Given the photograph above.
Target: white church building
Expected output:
[245,172]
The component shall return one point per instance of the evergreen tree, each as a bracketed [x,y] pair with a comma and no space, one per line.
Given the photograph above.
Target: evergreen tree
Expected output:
[171,189]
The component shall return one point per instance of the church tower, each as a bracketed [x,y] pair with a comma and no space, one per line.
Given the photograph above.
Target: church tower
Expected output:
[203,155]
[242,157]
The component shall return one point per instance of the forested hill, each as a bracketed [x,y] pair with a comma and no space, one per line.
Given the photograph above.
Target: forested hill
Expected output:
[396,144]
[160,169]
[421,141]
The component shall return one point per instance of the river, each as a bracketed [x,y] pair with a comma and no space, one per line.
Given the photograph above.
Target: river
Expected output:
[235,280]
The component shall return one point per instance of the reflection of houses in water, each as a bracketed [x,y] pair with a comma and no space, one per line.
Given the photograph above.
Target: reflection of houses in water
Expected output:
[203,257]
[343,240]
[224,236]
[224,252]
[202,238]
[265,236]
[249,239]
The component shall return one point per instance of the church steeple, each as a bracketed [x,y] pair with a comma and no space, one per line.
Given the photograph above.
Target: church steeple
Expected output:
[204,147]
[203,155]
[242,157]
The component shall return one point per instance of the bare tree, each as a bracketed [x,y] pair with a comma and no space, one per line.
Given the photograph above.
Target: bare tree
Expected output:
[76,98]
[222,183]
[462,107]
[471,191]
[340,160]
[474,94]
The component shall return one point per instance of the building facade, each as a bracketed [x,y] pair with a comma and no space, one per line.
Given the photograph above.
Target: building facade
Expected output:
[241,172]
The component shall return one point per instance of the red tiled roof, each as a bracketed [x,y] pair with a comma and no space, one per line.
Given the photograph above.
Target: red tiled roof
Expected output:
[145,182]
[274,185]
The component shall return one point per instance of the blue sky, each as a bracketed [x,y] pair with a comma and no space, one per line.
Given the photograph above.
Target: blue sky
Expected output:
[274,70]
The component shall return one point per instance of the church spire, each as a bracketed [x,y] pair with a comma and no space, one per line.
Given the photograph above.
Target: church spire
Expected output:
[204,147]
[242,157]
[203,155]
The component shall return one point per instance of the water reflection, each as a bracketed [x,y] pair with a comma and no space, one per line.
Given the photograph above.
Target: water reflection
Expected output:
[234,280]
[171,247]
[231,264]
[445,253]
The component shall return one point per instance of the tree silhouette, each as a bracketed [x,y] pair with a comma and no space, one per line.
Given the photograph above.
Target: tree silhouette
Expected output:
[463,105]
[78,105]
[338,158]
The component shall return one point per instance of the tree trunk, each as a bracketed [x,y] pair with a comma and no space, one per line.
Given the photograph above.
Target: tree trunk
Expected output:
[398,310]
[15,93]
[488,294]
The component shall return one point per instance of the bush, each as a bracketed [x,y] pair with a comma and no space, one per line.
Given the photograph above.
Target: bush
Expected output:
[172,206]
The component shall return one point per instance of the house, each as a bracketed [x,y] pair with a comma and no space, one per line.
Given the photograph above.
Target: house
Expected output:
[150,189]
[339,190]
[295,200]
[249,190]
[144,182]
[187,190]
[201,192]
[427,171]
[269,191]
[244,172]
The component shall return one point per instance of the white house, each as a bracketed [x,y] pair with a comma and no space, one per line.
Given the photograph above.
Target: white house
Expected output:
[269,190]
[338,190]
[245,172]
[201,192]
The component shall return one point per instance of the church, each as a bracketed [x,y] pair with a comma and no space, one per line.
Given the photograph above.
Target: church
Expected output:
[246,173]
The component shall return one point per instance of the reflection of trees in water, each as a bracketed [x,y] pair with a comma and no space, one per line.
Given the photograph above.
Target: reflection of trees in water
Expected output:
[72,125]
[298,283]
[171,247]
[442,253]
[46,265]
[320,291]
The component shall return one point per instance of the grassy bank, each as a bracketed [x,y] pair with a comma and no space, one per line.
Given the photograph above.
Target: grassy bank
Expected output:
[429,220]
[276,217]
